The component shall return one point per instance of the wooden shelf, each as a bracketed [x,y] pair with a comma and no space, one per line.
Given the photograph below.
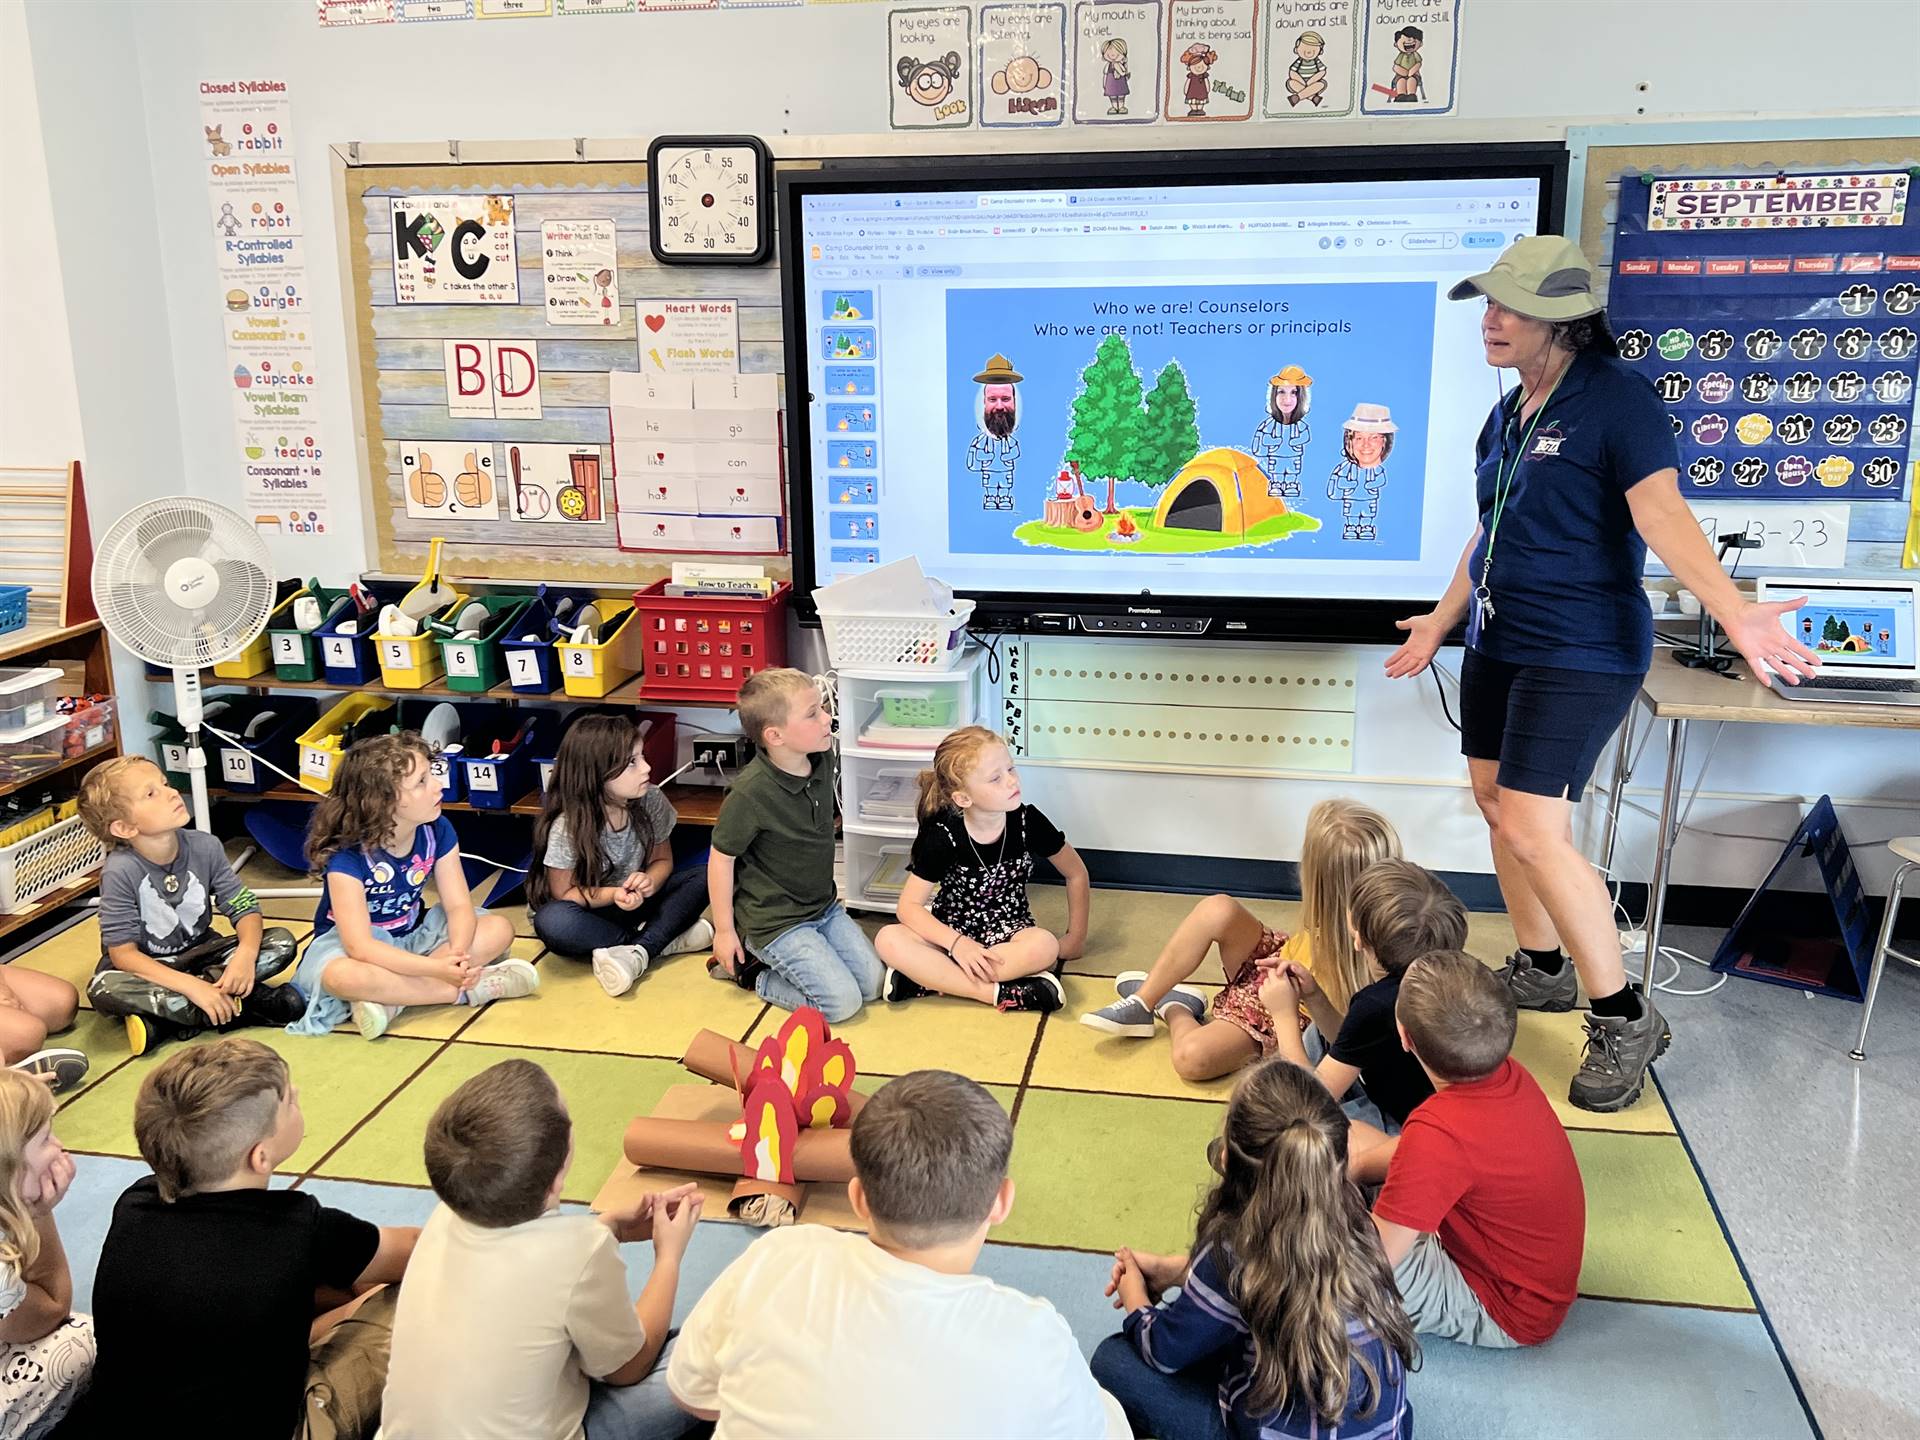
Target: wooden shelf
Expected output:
[99,752]
[16,643]
[47,904]
[626,693]
[694,804]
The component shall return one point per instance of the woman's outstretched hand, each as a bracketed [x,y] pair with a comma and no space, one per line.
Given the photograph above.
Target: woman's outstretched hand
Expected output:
[1756,632]
[1424,634]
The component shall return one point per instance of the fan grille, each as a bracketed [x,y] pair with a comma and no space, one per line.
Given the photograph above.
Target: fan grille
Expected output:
[130,569]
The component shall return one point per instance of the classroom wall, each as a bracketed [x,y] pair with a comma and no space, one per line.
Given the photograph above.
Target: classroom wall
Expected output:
[119,115]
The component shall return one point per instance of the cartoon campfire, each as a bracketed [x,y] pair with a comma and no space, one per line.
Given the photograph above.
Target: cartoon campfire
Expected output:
[795,1106]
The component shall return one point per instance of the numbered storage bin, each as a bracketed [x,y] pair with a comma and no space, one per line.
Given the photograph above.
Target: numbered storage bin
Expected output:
[257,656]
[532,663]
[347,655]
[593,669]
[326,740]
[473,666]
[412,662]
[497,763]
[698,650]
[296,652]
[270,728]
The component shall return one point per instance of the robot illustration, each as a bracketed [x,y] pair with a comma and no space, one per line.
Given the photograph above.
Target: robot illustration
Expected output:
[1280,442]
[1356,482]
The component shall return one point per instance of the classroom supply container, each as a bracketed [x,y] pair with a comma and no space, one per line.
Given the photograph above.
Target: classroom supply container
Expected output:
[698,649]
[918,707]
[30,750]
[45,861]
[475,666]
[593,669]
[169,748]
[257,656]
[13,607]
[270,728]
[324,742]
[350,660]
[660,742]
[89,727]
[296,652]
[897,641]
[497,763]
[533,665]
[27,696]
[412,662]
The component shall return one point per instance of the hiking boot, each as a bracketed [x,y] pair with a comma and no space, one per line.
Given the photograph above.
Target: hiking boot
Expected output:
[617,967]
[1619,1052]
[1534,989]
[697,936]
[898,986]
[503,980]
[273,1005]
[1126,1016]
[372,1018]
[1043,993]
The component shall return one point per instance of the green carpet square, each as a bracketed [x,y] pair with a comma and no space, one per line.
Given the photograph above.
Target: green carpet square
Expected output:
[1651,1232]
[675,998]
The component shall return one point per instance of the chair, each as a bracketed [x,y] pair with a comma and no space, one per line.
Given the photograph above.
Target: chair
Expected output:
[1907,848]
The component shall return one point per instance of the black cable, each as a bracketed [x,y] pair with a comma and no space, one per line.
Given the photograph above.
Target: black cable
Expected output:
[992,646]
[1441,691]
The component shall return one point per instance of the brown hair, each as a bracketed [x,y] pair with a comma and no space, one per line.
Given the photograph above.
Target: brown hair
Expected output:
[1459,1015]
[1343,839]
[1401,911]
[495,1145]
[102,800]
[766,700]
[203,1109]
[594,750]
[931,1149]
[953,762]
[1302,1255]
[357,813]
[26,1108]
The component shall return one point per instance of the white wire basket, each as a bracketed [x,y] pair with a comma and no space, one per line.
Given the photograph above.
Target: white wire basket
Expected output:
[897,642]
[46,861]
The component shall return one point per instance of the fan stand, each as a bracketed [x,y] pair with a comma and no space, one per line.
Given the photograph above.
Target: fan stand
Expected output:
[190,710]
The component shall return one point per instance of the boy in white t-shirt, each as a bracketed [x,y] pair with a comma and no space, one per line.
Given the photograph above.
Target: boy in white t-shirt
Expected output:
[515,1323]
[814,1332]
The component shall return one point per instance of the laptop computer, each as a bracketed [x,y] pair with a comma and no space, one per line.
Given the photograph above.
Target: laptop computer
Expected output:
[1863,632]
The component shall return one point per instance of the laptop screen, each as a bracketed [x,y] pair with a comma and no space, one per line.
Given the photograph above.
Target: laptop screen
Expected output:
[1864,628]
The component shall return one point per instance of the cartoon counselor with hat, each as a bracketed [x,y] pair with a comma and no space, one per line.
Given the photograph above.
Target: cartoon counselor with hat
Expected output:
[1280,441]
[1365,442]
[994,452]
[1577,476]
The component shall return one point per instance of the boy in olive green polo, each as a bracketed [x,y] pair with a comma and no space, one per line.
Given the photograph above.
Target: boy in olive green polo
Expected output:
[778,926]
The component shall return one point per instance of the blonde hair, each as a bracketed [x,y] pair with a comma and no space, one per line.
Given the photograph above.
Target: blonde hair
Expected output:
[26,1107]
[766,700]
[1459,1015]
[102,800]
[953,762]
[1344,837]
[203,1109]
[1300,1251]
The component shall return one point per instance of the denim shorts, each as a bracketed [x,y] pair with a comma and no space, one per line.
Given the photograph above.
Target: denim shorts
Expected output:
[1545,726]
[324,1010]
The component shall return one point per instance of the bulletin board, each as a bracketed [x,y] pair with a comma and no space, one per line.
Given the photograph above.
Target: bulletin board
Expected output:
[483,401]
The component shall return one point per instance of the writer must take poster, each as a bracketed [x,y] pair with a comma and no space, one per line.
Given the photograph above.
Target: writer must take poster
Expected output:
[1253,421]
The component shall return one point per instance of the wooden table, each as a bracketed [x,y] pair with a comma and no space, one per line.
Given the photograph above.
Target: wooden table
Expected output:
[1676,696]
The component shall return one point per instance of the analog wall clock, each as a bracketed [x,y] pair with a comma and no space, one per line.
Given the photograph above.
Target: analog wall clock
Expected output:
[710,200]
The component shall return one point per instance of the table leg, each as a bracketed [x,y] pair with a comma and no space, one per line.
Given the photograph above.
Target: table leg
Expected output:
[1617,791]
[1663,847]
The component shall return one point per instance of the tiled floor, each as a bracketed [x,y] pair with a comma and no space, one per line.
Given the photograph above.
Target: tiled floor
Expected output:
[1109,1149]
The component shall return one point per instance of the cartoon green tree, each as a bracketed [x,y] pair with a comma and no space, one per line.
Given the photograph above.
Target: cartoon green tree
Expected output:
[1104,432]
[1169,433]
[1835,631]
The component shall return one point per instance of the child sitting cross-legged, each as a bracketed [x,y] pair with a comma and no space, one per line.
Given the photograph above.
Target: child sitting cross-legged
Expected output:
[207,1271]
[1398,912]
[973,857]
[1286,1323]
[602,882]
[1342,839]
[501,1271]
[165,970]
[377,947]
[1483,1215]
[817,1333]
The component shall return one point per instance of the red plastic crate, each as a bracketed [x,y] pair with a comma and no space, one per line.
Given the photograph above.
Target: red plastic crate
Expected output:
[700,650]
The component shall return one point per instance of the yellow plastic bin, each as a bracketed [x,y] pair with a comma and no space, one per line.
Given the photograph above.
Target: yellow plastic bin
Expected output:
[258,656]
[412,662]
[592,670]
[324,742]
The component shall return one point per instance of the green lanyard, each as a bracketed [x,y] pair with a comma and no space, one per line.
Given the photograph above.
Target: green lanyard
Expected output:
[1502,483]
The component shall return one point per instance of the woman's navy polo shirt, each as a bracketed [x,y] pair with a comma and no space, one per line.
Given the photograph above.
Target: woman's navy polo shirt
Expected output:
[1568,562]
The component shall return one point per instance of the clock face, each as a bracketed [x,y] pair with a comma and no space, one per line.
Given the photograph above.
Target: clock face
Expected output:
[708,202]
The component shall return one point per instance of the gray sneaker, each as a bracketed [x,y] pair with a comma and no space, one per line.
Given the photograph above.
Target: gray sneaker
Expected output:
[1180,997]
[1123,1017]
[1619,1053]
[1534,989]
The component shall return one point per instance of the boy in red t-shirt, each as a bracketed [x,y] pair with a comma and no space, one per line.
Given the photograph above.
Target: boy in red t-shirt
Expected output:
[1483,1217]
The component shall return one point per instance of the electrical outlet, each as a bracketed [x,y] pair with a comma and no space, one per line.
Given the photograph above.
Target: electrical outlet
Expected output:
[729,752]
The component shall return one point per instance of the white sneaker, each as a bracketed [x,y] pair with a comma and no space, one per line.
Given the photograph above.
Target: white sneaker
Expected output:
[617,967]
[374,1018]
[503,980]
[697,936]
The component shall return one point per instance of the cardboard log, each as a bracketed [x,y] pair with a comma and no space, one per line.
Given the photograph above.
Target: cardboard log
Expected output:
[706,1147]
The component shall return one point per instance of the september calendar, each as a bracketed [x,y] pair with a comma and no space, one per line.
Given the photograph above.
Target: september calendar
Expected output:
[1778,317]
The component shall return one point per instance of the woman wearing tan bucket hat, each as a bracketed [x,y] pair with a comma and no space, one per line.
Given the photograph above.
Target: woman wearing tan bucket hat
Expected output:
[1577,476]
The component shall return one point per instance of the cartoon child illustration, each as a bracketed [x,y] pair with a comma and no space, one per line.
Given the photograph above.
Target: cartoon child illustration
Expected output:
[1358,479]
[602,284]
[1308,74]
[1115,79]
[994,451]
[1199,60]
[929,82]
[1280,442]
[1407,87]
[228,223]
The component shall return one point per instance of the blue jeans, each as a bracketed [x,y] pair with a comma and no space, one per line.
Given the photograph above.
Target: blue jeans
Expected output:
[1184,1406]
[646,1411]
[576,930]
[827,963]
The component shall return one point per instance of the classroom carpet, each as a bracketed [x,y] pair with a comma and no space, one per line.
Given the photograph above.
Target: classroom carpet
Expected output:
[1109,1149]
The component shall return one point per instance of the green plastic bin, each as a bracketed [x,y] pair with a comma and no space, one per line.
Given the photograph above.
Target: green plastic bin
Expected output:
[296,655]
[475,666]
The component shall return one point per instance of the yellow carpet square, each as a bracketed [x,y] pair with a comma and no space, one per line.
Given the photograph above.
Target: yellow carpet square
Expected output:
[339,1078]
[103,1039]
[1077,1057]
[935,1032]
[1651,1232]
[603,1092]
[657,1017]
[73,955]
[1551,1046]
[443,1022]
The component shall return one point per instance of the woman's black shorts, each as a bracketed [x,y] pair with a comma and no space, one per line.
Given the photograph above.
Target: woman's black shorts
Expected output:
[1545,726]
